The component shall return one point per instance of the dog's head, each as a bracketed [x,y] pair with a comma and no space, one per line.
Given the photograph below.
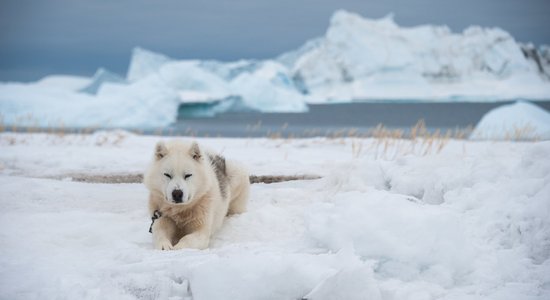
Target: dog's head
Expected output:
[177,172]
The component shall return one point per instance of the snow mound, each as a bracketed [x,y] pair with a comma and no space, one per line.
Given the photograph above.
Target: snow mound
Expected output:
[417,230]
[520,120]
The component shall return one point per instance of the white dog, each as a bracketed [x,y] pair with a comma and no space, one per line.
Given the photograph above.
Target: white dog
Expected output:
[191,192]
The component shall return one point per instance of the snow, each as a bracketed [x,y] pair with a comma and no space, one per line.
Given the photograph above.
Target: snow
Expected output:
[471,221]
[357,59]
[520,120]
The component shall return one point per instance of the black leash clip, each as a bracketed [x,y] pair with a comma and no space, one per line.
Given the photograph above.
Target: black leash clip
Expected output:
[156,214]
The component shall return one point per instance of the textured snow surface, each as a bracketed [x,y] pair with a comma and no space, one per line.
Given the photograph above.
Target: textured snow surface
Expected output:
[521,120]
[357,59]
[469,222]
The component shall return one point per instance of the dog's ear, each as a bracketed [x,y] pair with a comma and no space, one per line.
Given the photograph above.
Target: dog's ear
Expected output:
[195,152]
[160,150]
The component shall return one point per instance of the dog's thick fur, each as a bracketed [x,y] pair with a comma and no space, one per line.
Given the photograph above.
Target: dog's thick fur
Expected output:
[193,190]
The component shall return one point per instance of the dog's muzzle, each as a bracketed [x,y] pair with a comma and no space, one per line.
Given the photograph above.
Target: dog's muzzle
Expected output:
[177,196]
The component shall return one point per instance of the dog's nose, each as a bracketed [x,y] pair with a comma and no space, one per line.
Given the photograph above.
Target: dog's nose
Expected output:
[176,195]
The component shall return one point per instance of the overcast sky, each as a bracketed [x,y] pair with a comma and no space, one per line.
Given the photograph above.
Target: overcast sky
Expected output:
[39,37]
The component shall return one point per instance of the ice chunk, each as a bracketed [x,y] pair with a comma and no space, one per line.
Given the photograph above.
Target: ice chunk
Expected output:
[520,120]
[145,103]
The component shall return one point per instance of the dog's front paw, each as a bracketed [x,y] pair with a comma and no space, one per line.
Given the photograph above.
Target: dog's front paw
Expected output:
[163,244]
[191,242]
[180,245]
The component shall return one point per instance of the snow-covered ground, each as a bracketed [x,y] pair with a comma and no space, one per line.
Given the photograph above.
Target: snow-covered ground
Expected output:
[388,220]
[357,59]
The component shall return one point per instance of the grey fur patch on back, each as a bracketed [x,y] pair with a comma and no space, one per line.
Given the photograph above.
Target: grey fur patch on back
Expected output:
[218,165]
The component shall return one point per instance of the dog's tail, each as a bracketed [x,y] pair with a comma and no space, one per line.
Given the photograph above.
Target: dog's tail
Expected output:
[280,178]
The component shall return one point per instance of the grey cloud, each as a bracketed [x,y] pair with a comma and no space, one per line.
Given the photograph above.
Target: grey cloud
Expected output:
[77,36]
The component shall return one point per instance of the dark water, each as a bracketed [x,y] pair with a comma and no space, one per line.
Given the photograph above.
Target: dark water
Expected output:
[333,119]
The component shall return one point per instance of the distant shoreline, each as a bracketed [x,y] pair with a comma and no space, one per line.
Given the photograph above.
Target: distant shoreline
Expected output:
[350,119]
[329,119]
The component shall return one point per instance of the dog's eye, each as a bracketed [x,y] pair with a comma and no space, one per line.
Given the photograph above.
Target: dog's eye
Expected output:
[186,176]
[168,175]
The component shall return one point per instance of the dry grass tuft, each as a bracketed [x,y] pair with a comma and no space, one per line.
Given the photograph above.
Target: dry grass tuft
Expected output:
[385,142]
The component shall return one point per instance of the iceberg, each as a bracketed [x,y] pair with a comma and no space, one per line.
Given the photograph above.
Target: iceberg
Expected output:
[518,121]
[357,59]
[144,104]
[368,59]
